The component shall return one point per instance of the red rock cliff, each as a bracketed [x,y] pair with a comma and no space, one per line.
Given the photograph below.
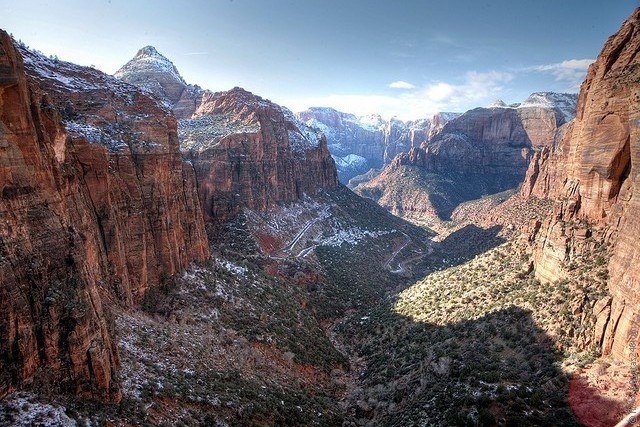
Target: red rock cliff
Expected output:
[250,152]
[96,207]
[592,173]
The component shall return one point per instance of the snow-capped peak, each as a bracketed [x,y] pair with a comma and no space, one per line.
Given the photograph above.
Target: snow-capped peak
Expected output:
[149,51]
[149,60]
[564,102]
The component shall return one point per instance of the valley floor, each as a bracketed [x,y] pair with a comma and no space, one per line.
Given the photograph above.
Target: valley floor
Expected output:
[321,314]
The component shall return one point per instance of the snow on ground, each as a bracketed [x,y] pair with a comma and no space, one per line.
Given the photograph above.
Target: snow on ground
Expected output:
[70,77]
[372,122]
[566,103]
[350,161]
[232,267]
[148,59]
[302,137]
[351,236]
[95,135]
[24,409]
[207,131]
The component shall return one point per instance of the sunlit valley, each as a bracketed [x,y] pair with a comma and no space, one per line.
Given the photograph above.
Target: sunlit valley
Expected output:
[173,255]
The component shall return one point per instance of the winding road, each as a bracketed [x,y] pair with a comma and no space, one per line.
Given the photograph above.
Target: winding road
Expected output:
[395,253]
[322,216]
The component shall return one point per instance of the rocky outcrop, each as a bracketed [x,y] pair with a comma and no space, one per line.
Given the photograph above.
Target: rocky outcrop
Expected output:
[250,152]
[153,72]
[592,174]
[97,206]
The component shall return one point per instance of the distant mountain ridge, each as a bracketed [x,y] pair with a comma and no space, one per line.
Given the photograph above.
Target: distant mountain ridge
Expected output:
[483,151]
[359,144]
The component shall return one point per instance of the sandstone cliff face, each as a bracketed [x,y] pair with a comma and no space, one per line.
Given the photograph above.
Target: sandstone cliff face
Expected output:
[96,207]
[498,140]
[592,174]
[250,152]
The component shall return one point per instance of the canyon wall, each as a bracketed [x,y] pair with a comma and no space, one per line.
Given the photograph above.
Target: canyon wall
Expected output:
[250,152]
[97,206]
[359,144]
[247,151]
[592,174]
[484,151]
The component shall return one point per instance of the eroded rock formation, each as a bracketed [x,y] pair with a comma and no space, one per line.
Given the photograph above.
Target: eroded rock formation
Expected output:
[359,144]
[484,151]
[246,151]
[592,173]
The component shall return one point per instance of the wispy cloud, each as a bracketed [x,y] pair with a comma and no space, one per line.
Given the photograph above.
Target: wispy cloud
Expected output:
[571,71]
[400,84]
[196,53]
[475,88]
[445,40]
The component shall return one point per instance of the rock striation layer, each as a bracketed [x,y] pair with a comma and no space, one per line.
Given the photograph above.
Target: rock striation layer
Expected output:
[592,174]
[96,207]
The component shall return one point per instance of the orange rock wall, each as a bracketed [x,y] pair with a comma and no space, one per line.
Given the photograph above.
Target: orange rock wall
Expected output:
[592,173]
[82,226]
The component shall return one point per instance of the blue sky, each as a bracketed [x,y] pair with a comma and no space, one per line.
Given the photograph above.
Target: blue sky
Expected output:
[402,58]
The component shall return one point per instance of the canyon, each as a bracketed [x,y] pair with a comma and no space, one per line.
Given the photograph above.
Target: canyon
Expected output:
[481,152]
[170,254]
[359,144]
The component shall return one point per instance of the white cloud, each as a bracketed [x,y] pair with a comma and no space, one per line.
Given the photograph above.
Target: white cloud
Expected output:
[571,71]
[475,89]
[440,91]
[400,84]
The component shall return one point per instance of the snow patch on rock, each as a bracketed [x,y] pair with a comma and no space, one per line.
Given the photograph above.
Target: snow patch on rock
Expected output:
[24,409]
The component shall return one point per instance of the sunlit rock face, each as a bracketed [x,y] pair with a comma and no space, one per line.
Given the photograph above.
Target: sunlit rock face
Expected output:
[483,151]
[592,173]
[250,152]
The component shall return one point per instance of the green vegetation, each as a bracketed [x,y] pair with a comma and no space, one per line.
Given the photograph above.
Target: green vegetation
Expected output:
[478,343]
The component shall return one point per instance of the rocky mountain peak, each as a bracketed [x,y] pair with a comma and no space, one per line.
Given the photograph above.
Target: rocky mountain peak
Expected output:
[149,51]
[149,60]
[153,72]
